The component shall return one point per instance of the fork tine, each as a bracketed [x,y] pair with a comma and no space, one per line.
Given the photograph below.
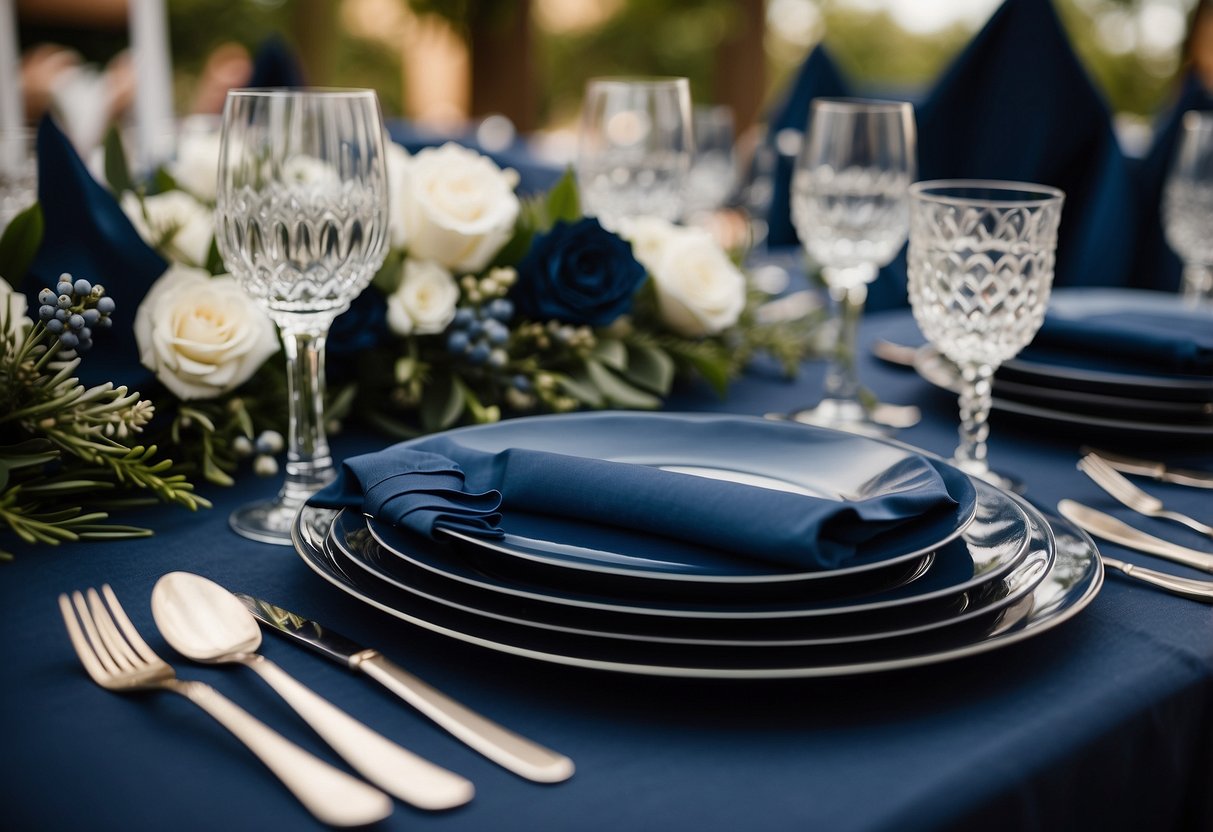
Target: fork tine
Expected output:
[94,638]
[128,629]
[119,650]
[84,650]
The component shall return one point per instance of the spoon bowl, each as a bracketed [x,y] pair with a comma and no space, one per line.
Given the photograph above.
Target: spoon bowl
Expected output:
[203,621]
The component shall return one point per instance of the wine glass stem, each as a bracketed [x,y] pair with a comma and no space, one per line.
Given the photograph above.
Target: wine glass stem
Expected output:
[309,465]
[975,400]
[1197,282]
[842,378]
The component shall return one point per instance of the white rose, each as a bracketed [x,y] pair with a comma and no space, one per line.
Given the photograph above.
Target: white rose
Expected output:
[202,336]
[425,302]
[196,168]
[459,207]
[173,222]
[699,289]
[13,307]
[648,236]
[397,161]
[310,172]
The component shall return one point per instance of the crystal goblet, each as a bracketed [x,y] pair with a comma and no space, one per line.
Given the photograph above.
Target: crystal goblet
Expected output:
[634,148]
[980,274]
[301,215]
[1188,206]
[850,209]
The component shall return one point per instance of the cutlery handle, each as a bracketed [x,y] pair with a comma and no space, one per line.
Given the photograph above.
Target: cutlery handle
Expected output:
[330,794]
[501,745]
[1190,522]
[395,770]
[1192,588]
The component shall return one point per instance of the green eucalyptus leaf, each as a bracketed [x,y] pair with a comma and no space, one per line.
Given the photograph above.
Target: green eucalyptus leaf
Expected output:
[563,202]
[617,391]
[214,260]
[20,243]
[650,368]
[581,388]
[442,404]
[611,352]
[163,181]
[117,174]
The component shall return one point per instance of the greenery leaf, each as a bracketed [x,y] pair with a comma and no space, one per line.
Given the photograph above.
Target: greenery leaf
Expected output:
[563,202]
[20,243]
[163,181]
[581,388]
[650,368]
[443,404]
[612,353]
[117,174]
[617,391]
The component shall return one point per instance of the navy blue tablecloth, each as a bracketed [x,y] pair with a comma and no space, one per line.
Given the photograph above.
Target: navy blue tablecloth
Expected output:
[1105,722]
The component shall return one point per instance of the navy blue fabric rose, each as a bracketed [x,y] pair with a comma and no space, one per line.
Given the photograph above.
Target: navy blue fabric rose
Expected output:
[577,273]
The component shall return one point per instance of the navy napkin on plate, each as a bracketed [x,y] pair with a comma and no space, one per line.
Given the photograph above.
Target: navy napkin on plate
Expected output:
[1018,105]
[1147,341]
[440,483]
[87,234]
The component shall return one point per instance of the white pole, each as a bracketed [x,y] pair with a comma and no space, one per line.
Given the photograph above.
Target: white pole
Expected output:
[153,83]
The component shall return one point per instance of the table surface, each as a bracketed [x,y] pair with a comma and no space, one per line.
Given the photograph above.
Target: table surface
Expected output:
[1107,719]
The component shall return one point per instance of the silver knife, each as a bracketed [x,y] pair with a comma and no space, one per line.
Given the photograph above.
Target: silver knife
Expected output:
[1154,470]
[1108,527]
[509,750]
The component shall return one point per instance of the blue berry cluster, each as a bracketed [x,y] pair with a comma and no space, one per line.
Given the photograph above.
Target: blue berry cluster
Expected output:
[480,334]
[72,310]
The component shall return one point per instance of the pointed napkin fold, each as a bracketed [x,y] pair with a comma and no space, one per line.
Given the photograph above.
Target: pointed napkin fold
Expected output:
[87,234]
[440,483]
[1144,341]
[1017,105]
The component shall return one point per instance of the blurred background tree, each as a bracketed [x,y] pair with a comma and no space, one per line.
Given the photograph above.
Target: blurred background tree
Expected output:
[443,60]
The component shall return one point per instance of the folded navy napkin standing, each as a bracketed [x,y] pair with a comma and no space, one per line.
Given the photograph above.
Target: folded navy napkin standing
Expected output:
[87,235]
[440,483]
[1156,265]
[1017,105]
[818,77]
[1146,341]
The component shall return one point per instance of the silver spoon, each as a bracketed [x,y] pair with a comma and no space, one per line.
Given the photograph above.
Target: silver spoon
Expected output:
[204,622]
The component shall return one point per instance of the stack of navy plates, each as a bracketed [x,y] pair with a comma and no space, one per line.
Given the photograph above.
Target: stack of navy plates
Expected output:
[1133,399]
[991,572]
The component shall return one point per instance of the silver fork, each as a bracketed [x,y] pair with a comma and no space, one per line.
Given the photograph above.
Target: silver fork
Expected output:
[1111,481]
[118,659]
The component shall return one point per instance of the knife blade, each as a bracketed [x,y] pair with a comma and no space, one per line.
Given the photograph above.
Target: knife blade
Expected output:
[1155,470]
[509,750]
[1107,527]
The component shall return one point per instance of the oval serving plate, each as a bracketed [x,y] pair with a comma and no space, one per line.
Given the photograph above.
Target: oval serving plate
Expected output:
[821,462]
[1068,586]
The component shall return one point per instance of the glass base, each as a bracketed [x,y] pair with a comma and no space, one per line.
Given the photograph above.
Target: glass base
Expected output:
[266,521]
[851,416]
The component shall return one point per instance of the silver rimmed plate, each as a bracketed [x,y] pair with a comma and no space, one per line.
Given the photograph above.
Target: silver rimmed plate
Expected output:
[1068,586]
[792,457]
[992,545]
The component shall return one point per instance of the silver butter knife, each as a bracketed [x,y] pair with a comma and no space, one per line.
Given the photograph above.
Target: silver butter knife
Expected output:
[1154,470]
[509,750]
[1107,527]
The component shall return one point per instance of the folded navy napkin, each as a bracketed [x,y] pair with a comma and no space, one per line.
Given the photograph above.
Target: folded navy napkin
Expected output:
[1017,104]
[1147,341]
[87,234]
[440,483]
[275,64]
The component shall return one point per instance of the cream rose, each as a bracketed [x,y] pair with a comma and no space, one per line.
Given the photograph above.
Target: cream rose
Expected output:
[699,289]
[458,207]
[425,301]
[397,161]
[196,168]
[202,336]
[648,236]
[13,307]
[173,222]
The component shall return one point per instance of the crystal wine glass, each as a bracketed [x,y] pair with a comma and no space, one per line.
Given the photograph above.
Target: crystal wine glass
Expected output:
[1188,205]
[301,217]
[980,274]
[635,148]
[850,210]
